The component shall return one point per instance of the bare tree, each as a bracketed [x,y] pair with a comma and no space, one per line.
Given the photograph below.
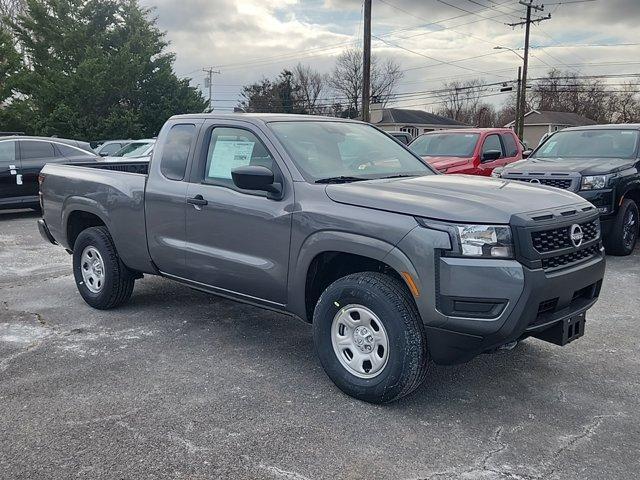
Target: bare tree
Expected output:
[311,85]
[462,99]
[346,79]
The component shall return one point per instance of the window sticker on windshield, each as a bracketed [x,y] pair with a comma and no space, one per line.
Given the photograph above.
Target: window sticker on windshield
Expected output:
[228,155]
[628,132]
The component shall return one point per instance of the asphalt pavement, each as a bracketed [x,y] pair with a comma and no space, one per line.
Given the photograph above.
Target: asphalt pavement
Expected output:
[180,384]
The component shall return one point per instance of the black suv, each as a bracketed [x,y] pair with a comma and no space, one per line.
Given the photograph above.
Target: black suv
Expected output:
[22,158]
[600,163]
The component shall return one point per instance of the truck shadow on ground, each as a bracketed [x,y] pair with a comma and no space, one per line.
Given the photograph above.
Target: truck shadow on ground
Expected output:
[286,344]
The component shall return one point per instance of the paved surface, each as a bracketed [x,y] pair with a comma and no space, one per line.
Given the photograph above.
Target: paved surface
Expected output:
[178,384]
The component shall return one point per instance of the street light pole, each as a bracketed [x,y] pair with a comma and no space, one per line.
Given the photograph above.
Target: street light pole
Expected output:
[518,124]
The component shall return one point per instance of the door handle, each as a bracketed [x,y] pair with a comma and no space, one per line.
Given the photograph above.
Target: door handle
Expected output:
[197,201]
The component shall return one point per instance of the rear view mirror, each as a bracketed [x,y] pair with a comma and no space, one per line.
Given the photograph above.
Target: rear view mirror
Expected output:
[491,155]
[256,177]
[526,153]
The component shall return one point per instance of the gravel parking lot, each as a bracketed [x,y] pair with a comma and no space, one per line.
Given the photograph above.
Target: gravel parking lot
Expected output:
[178,384]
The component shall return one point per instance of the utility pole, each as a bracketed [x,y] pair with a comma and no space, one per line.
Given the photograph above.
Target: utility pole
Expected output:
[208,83]
[522,101]
[518,88]
[366,62]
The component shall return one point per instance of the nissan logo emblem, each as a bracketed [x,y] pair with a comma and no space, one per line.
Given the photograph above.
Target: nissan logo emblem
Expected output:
[576,234]
[534,180]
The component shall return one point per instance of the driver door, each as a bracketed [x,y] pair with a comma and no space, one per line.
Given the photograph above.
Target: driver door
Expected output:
[237,240]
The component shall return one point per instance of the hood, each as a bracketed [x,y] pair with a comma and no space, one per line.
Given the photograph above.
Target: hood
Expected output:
[452,198]
[443,163]
[583,166]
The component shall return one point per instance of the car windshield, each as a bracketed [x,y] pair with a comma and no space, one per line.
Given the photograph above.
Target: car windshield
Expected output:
[445,144]
[591,143]
[135,149]
[345,151]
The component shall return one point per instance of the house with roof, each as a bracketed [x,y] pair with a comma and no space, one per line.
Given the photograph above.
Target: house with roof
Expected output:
[538,123]
[414,122]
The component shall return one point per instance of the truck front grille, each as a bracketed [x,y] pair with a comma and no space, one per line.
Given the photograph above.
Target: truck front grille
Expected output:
[568,259]
[550,182]
[545,241]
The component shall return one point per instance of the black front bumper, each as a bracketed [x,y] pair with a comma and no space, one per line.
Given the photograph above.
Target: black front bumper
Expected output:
[45,233]
[547,300]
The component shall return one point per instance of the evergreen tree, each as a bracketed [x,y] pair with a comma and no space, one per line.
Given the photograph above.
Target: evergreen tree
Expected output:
[97,69]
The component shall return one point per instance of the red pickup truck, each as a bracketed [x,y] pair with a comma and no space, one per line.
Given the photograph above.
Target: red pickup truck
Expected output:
[471,151]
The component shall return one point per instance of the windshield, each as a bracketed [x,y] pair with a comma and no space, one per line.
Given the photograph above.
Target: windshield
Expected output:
[135,149]
[323,150]
[604,143]
[445,144]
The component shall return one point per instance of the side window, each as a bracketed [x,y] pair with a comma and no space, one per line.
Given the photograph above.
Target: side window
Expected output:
[68,151]
[7,153]
[175,154]
[32,150]
[111,148]
[510,146]
[230,148]
[492,142]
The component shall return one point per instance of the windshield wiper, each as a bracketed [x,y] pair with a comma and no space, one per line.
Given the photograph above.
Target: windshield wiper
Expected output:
[341,179]
[400,176]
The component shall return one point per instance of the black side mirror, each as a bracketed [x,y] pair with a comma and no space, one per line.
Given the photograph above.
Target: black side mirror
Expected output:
[491,155]
[526,153]
[256,177]
[103,154]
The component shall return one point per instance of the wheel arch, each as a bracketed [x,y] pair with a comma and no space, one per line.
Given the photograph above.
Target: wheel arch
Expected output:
[327,256]
[78,216]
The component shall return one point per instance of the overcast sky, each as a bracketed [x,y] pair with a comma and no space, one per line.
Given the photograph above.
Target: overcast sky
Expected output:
[249,39]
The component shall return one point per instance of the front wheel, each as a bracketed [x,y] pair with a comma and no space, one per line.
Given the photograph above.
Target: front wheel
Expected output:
[102,279]
[369,337]
[624,233]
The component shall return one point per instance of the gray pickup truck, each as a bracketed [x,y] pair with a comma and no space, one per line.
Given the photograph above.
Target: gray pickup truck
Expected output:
[338,224]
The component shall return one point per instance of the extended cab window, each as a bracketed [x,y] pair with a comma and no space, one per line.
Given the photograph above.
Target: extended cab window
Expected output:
[69,151]
[231,148]
[492,143]
[175,153]
[31,150]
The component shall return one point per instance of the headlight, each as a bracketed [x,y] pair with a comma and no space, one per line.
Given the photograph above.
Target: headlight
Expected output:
[481,241]
[595,182]
[497,172]
[485,241]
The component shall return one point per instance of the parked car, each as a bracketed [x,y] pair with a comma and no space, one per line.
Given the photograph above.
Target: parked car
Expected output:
[111,147]
[599,162]
[22,158]
[393,264]
[472,151]
[404,137]
[133,150]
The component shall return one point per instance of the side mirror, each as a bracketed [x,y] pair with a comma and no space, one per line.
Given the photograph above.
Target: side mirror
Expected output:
[256,177]
[103,154]
[491,155]
[526,153]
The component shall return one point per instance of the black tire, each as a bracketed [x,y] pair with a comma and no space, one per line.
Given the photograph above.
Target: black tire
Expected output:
[118,279]
[389,299]
[623,236]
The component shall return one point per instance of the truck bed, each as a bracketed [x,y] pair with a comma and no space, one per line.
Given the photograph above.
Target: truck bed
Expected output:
[110,191]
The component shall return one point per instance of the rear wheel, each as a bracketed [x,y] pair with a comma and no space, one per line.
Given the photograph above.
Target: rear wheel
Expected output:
[369,337]
[102,279]
[624,233]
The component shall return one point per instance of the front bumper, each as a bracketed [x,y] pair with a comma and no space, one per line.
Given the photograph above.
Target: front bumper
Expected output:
[544,300]
[470,306]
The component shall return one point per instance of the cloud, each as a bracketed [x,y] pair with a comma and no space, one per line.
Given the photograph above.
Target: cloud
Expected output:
[248,39]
